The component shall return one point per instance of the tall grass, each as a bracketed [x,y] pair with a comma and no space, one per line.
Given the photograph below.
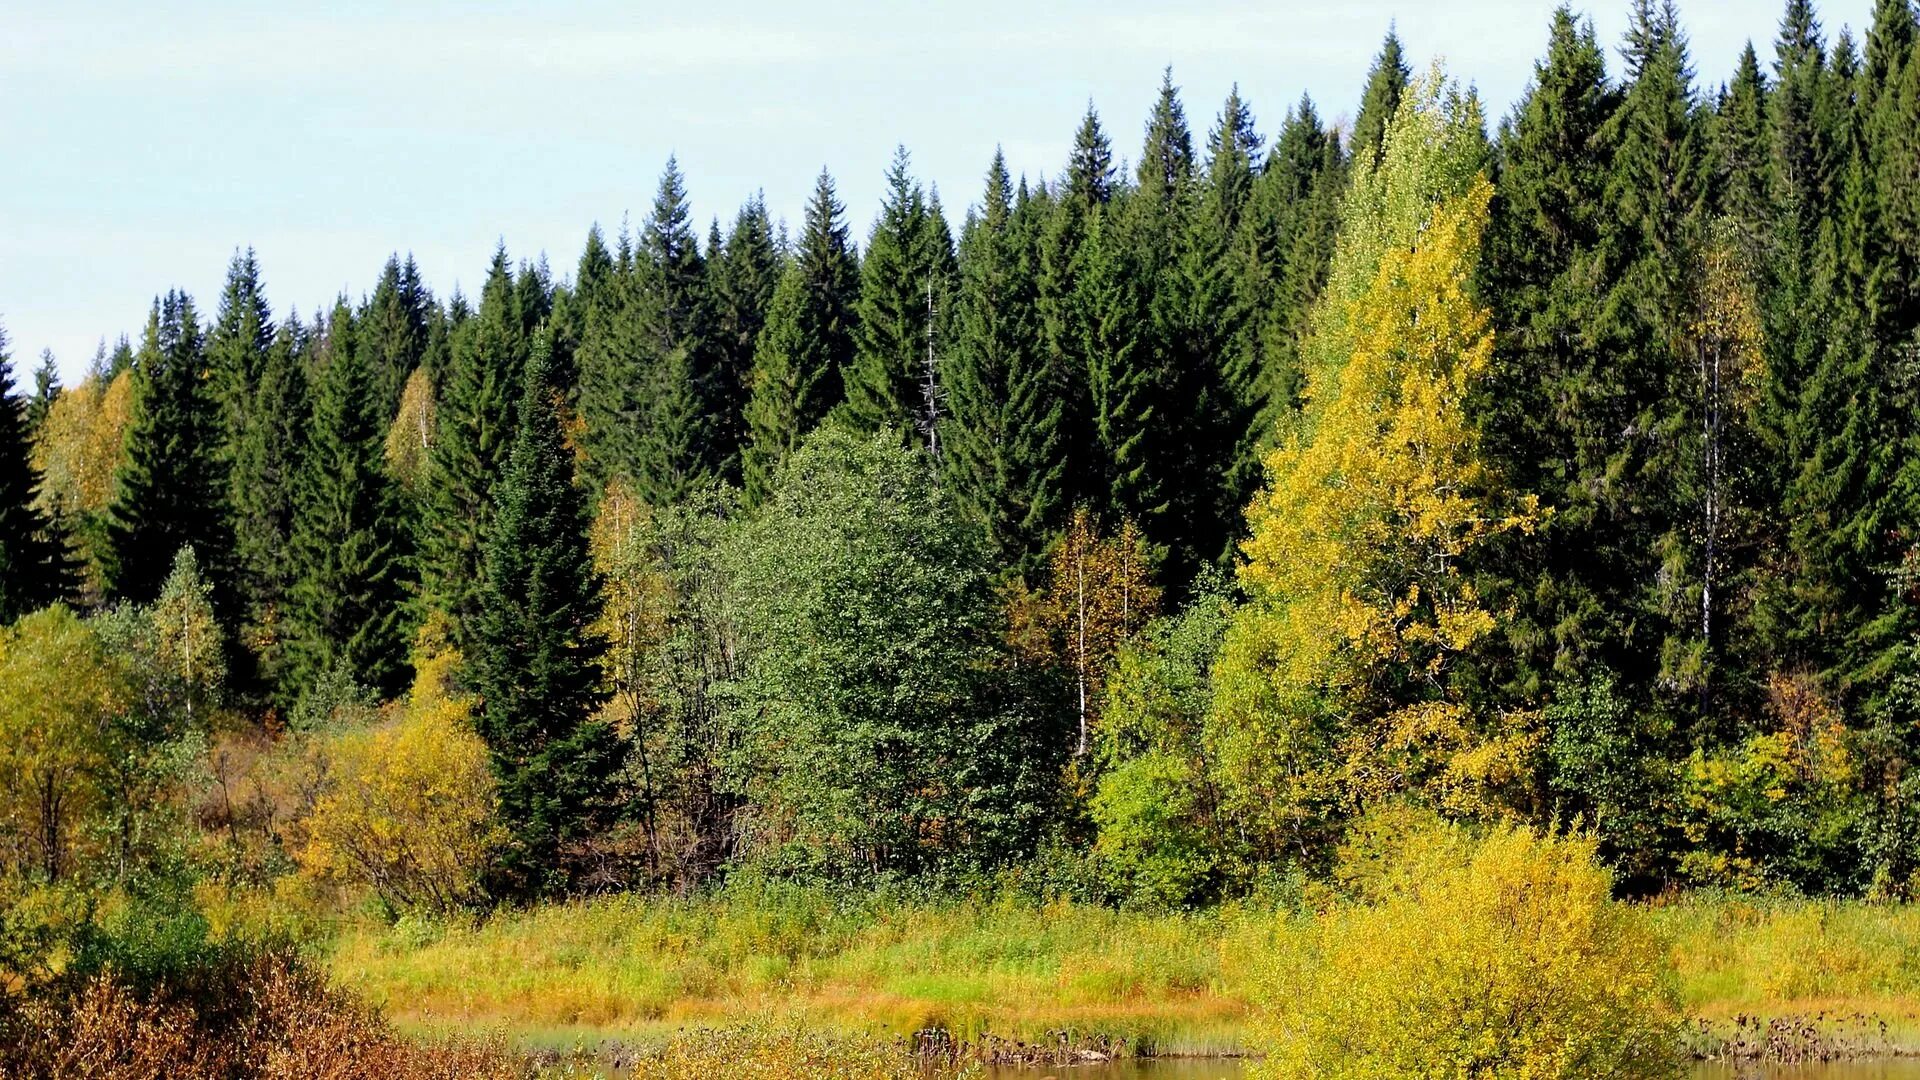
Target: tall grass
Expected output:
[638,968]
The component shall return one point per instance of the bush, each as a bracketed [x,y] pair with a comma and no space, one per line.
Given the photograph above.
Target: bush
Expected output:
[1497,957]
[782,1054]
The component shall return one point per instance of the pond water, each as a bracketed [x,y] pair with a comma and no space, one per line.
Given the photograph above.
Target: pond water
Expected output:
[1231,1070]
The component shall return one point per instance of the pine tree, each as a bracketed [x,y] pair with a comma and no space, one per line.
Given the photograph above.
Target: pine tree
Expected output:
[535,660]
[676,389]
[171,489]
[475,431]
[1549,408]
[46,390]
[807,343]
[1001,439]
[347,597]
[396,327]
[905,277]
[1386,84]
[745,275]
[33,562]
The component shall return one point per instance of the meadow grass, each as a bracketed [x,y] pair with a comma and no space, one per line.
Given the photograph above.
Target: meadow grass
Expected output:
[632,968]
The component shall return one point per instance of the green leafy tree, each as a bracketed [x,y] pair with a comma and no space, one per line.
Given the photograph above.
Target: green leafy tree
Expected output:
[883,737]
[535,660]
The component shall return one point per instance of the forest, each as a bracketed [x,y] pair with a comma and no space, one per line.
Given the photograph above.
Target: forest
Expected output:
[1129,538]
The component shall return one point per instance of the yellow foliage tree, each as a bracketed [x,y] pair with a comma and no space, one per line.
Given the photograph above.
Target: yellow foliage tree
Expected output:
[410,437]
[77,451]
[60,695]
[1484,958]
[1332,689]
[408,807]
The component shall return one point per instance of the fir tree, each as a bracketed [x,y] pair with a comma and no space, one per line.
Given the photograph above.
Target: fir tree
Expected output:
[46,390]
[744,277]
[905,276]
[267,464]
[676,391]
[33,562]
[535,659]
[171,489]
[807,343]
[396,327]
[1386,84]
[1063,304]
[1743,152]
[345,617]
[475,431]
[1001,439]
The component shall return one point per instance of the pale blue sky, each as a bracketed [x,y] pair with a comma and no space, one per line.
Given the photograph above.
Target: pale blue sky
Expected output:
[142,142]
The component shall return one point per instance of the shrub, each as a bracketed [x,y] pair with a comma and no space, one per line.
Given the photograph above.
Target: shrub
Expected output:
[1498,957]
[762,1053]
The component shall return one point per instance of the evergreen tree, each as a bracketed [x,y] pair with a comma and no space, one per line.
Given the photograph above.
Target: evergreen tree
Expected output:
[475,431]
[396,327]
[905,277]
[1386,84]
[1743,152]
[676,390]
[535,658]
[345,616]
[807,343]
[33,562]
[1001,439]
[1090,168]
[237,347]
[46,390]
[1063,304]
[171,488]
[745,274]
[267,463]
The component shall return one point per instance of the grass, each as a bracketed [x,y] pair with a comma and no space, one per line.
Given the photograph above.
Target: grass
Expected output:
[636,969]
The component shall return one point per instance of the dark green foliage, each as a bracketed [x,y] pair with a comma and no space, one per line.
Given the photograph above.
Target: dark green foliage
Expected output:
[171,490]
[676,386]
[1001,440]
[1743,151]
[534,660]
[46,390]
[744,275]
[475,431]
[807,344]
[267,464]
[1385,84]
[346,547]
[1063,304]
[888,734]
[396,327]
[33,561]
[906,278]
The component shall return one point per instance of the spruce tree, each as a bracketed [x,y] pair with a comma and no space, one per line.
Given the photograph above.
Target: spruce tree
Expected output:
[535,658]
[475,431]
[46,390]
[346,548]
[396,327]
[1386,84]
[1063,304]
[744,276]
[237,346]
[267,464]
[33,562]
[171,488]
[676,389]
[1001,442]
[1743,156]
[807,344]
[905,277]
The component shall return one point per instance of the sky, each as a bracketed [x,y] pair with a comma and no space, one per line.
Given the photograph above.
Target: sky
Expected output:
[142,143]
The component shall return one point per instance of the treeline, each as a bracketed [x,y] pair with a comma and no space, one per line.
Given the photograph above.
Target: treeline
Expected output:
[1566,473]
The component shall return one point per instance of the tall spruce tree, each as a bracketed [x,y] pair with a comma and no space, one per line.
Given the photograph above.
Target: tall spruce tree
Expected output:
[535,658]
[395,328]
[1386,85]
[171,488]
[905,278]
[267,464]
[348,595]
[1001,441]
[33,561]
[46,390]
[744,275]
[475,424]
[807,343]
[677,388]
[1742,148]
[1063,303]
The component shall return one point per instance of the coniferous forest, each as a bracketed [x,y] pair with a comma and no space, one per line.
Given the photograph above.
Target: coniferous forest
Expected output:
[1135,532]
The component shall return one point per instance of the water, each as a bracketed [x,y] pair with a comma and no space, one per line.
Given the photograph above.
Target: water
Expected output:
[1232,1070]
